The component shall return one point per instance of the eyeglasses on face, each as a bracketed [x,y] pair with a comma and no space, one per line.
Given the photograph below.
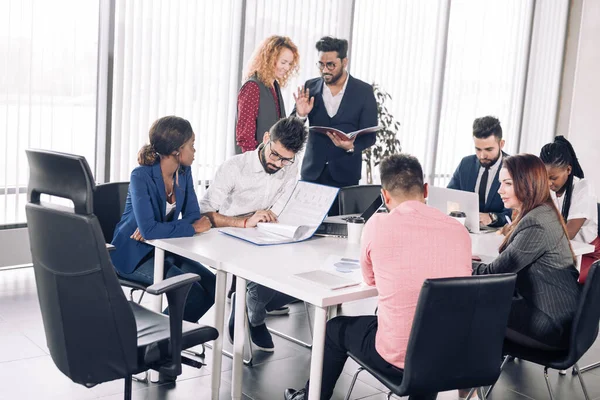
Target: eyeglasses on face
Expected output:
[330,65]
[274,156]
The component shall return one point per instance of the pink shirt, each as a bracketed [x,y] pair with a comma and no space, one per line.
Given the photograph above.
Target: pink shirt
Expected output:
[399,251]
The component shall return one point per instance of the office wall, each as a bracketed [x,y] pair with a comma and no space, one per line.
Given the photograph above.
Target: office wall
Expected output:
[584,117]
[14,247]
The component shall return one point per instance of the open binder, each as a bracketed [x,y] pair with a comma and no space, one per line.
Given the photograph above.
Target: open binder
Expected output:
[343,135]
[302,214]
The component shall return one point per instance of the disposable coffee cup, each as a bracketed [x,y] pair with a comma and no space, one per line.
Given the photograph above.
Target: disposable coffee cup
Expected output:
[459,216]
[355,227]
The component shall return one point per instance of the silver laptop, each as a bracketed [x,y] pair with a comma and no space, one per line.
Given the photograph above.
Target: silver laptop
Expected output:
[337,225]
[448,200]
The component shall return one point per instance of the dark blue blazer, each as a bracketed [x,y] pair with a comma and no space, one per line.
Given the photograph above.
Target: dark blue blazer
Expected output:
[358,110]
[145,208]
[465,178]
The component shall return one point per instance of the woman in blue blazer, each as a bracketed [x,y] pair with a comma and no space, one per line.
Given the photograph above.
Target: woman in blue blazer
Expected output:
[161,189]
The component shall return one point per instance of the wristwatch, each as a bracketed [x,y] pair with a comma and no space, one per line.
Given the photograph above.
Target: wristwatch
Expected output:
[494,218]
[350,151]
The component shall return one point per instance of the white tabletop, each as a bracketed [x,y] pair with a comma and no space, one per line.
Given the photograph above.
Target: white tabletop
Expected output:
[274,266]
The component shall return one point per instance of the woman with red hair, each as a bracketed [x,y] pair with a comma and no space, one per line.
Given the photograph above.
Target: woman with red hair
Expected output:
[260,103]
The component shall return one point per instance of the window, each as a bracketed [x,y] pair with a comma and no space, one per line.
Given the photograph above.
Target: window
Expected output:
[47,88]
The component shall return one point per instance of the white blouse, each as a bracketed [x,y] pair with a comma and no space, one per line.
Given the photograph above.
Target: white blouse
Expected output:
[583,205]
[170,207]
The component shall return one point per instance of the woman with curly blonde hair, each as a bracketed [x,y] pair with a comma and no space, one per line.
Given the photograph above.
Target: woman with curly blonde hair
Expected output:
[260,103]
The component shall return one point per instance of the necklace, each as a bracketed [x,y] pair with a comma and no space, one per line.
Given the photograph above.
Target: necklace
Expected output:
[169,193]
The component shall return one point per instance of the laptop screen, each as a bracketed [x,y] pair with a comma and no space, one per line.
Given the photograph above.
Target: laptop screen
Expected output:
[372,209]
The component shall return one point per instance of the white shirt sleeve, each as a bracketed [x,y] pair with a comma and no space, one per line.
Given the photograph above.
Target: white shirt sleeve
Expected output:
[583,201]
[584,205]
[219,190]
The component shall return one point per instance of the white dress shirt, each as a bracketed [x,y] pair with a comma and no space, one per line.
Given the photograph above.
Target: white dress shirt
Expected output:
[491,176]
[583,205]
[241,186]
[332,103]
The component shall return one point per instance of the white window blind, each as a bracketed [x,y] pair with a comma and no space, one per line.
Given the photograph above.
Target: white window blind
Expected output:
[175,57]
[47,88]
[402,61]
[484,75]
[544,74]
[305,22]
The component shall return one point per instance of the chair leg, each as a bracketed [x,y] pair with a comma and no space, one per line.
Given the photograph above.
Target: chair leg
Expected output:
[358,371]
[127,393]
[587,368]
[585,393]
[506,359]
[293,339]
[481,393]
[141,380]
[548,383]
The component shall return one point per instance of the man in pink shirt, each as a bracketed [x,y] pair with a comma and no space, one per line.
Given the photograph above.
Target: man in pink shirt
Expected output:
[399,251]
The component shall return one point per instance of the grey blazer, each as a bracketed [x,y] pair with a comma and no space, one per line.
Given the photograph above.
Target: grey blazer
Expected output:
[538,252]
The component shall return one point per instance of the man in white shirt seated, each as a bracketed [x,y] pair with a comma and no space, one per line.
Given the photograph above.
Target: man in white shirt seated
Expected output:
[250,188]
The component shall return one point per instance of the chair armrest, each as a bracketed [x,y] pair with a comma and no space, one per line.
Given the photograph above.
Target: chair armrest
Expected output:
[176,289]
[172,283]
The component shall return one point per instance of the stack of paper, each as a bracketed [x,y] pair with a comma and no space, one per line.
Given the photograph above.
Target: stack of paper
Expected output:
[301,216]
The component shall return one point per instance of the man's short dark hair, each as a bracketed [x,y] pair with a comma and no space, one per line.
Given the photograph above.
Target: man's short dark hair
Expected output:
[485,127]
[290,132]
[401,173]
[328,43]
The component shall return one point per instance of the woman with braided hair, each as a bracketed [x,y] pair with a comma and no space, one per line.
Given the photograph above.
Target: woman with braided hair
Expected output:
[574,197]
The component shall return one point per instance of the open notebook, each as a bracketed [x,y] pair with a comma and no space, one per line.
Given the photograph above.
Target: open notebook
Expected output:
[343,135]
[299,219]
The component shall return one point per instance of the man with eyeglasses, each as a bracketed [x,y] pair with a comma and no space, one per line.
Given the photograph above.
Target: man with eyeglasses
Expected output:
[250,188]
[339,101]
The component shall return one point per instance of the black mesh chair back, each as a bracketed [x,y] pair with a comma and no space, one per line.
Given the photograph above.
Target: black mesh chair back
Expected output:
[355,199]
[457,334]
[456,337]
[89,325]
[585,325]
[109,204]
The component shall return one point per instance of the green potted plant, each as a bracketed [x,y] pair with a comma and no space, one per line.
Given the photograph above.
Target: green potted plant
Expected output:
[387,141]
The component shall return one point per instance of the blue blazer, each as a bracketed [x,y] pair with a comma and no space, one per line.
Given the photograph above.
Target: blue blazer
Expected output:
[358,110]
[145,208]
[465,178]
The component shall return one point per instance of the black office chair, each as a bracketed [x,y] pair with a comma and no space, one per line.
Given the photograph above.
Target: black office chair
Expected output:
[456,336]
[355,199]
[93,333]
[109,204]
[596,364]
[583,334]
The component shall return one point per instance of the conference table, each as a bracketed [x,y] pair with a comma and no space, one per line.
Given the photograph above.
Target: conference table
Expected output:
[275,267]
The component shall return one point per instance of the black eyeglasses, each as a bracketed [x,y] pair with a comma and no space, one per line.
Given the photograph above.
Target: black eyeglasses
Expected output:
[330,65]
[274,156]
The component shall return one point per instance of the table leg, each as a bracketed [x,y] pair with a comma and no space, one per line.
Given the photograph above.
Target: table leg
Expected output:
[316,361]
[220,294]
[238,338]
[159,274]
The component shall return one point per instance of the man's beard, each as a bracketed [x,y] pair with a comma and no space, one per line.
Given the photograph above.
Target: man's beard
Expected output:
[334,78]
[492,162]
[268,167]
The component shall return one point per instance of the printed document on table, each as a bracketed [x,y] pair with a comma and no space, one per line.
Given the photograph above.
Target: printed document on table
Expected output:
[304,211]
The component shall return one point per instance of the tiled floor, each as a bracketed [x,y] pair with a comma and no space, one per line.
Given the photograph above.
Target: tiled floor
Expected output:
[27,371]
